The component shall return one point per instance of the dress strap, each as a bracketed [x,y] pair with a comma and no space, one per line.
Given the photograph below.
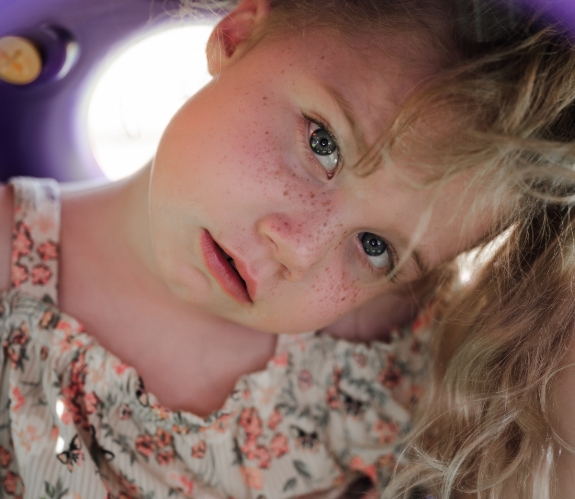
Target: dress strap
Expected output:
[35,237]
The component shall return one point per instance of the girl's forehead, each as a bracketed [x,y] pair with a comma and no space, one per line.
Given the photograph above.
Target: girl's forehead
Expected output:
[370,76]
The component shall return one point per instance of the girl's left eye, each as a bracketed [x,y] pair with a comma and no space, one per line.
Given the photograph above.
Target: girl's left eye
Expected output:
[323,145]
[376,249]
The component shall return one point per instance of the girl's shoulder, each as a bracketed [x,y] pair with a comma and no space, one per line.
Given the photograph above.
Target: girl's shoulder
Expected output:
[6,215]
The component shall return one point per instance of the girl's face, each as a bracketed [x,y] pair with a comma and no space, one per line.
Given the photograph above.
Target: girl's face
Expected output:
[259,165]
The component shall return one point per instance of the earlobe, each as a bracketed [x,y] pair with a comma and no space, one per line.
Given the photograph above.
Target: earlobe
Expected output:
[233,31]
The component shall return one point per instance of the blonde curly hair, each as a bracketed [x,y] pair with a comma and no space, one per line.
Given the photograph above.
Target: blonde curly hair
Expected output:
[509,104]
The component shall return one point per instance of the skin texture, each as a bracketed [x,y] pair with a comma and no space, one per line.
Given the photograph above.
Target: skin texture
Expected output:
[245,173]
[236,161]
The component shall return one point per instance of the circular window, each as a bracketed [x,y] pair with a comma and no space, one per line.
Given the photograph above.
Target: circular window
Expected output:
[138,93]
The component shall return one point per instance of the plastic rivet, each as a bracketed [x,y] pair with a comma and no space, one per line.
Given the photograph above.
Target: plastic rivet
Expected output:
[20,61]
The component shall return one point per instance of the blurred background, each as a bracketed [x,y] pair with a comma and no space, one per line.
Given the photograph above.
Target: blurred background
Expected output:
[139,90]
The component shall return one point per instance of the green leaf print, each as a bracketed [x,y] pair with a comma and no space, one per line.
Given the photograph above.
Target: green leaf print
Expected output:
[56,492]
[290,484]
[302,468]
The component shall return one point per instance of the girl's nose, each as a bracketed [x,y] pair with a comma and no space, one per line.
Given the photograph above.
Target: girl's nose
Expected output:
[296,245]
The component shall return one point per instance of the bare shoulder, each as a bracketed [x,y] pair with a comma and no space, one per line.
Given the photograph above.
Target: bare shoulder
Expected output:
[5,234]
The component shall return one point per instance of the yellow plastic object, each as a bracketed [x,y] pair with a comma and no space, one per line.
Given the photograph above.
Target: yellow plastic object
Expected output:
[20,61]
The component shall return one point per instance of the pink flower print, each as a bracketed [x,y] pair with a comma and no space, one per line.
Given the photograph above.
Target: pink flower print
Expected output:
[358,464]
[332,397]
[5,457]
[14,354]
[48,251]
[180,430]
[304,380]
[221,424]
[251,422]
[91,402]
[10,482]
[131,490]
[120,368]
[160,411]
[187,485]
[249,448]
[19,275]
[66,417]
[165,457]
[163,438]
[386,431]
[423,319]
[275,419]
[390,376]
[124,412]
[18,399]
[68,338]
[360,359]
[280,360]
[44,352]
[279,445]
[20,336]
[337,374]
[199,450]
[21,240]
[263,457]
[54,433]
[253,478]
[145,445]
[40,274]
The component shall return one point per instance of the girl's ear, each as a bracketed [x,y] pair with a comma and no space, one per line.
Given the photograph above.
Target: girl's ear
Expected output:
[230,34]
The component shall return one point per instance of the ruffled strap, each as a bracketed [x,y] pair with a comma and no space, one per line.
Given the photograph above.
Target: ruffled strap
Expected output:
[35,237]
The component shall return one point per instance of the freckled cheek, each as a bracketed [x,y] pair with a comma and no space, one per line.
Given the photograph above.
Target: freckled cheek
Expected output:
[334,294]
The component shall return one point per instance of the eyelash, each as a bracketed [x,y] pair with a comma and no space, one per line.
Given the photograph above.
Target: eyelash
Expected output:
[379,272]
[306,121]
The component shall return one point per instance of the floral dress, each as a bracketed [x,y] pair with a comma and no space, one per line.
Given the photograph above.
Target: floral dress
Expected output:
[76,422]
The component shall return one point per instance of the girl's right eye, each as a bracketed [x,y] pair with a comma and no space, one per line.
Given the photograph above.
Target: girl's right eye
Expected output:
[376,249]
[323,145]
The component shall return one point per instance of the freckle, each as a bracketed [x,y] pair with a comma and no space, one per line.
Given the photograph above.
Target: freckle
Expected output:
[264,98]
[267,133]
[286,193]
[325,224]
[312,195]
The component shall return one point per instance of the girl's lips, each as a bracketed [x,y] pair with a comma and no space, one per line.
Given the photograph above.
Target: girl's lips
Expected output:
[221,269]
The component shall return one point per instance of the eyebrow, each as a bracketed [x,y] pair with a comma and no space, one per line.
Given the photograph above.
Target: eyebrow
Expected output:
[350,118]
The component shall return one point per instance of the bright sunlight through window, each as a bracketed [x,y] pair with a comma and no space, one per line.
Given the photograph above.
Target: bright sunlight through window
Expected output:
[140,91]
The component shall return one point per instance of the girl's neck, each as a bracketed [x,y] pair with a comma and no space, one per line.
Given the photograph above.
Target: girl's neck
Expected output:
[109,281]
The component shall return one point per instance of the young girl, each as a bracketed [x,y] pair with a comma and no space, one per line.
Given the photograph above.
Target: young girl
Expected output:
[266,210]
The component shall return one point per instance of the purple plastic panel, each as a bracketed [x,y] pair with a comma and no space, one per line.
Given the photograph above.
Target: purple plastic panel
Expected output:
[43,128]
